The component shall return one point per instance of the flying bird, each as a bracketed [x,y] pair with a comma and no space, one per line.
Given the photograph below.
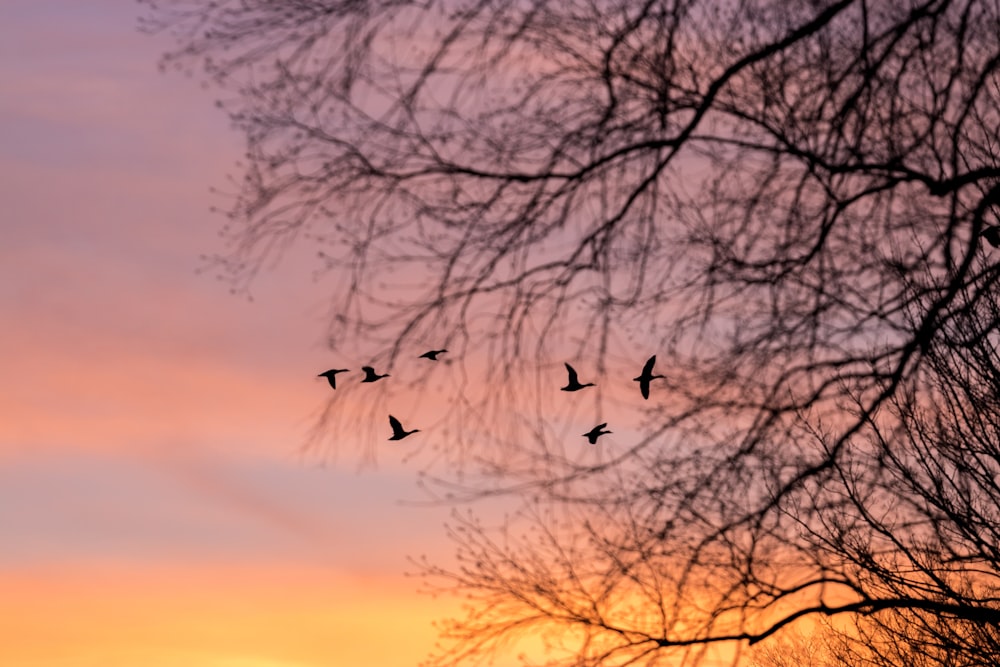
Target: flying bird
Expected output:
[398,433]
[574,382]
[992,235]
[593,434]
[432,354]
[371,375]
[331,375]
[646,377]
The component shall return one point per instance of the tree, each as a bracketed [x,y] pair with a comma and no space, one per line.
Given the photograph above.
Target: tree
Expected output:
[786,201]
[795,649]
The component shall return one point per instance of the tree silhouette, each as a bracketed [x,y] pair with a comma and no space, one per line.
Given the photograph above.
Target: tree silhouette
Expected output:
[794,649]
[784,201]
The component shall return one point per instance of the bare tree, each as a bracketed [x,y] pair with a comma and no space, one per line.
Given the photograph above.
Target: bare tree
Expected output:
[786,201]
[795,649]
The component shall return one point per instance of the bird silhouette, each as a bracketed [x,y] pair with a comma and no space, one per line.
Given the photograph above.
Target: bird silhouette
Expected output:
[992,235]
[593,434]
[371,375]
[573,384]
[331,375]
[432,354]
[646,377]
[398,433]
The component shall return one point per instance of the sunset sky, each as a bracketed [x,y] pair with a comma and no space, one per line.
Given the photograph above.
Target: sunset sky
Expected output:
[739,199]
[155,506]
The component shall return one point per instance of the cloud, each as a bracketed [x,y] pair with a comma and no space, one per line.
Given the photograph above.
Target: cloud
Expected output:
[181,505]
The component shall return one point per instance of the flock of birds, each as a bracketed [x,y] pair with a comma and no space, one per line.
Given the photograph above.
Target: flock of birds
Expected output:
[991,233]
[572,384]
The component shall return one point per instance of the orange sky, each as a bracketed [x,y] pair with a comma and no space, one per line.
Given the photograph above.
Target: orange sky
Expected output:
[154,507]
[211,615]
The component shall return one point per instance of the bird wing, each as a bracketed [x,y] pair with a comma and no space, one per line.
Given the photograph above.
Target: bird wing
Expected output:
[647,370]
[397,428]
[644,388]
[572,375]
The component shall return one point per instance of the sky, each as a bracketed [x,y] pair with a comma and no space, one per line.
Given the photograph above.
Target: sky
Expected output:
[156,507]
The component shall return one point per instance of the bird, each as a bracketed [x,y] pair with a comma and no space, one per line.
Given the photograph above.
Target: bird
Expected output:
[593,434]
[371,375]
[646,377]
[331,375]
[992,235]
[573,384]
[432,354]
[397,429]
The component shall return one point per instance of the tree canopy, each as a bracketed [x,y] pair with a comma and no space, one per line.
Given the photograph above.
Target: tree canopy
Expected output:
[792,204]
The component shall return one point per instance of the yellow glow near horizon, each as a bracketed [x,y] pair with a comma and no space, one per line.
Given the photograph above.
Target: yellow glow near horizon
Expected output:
[215,616]
[252,662]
